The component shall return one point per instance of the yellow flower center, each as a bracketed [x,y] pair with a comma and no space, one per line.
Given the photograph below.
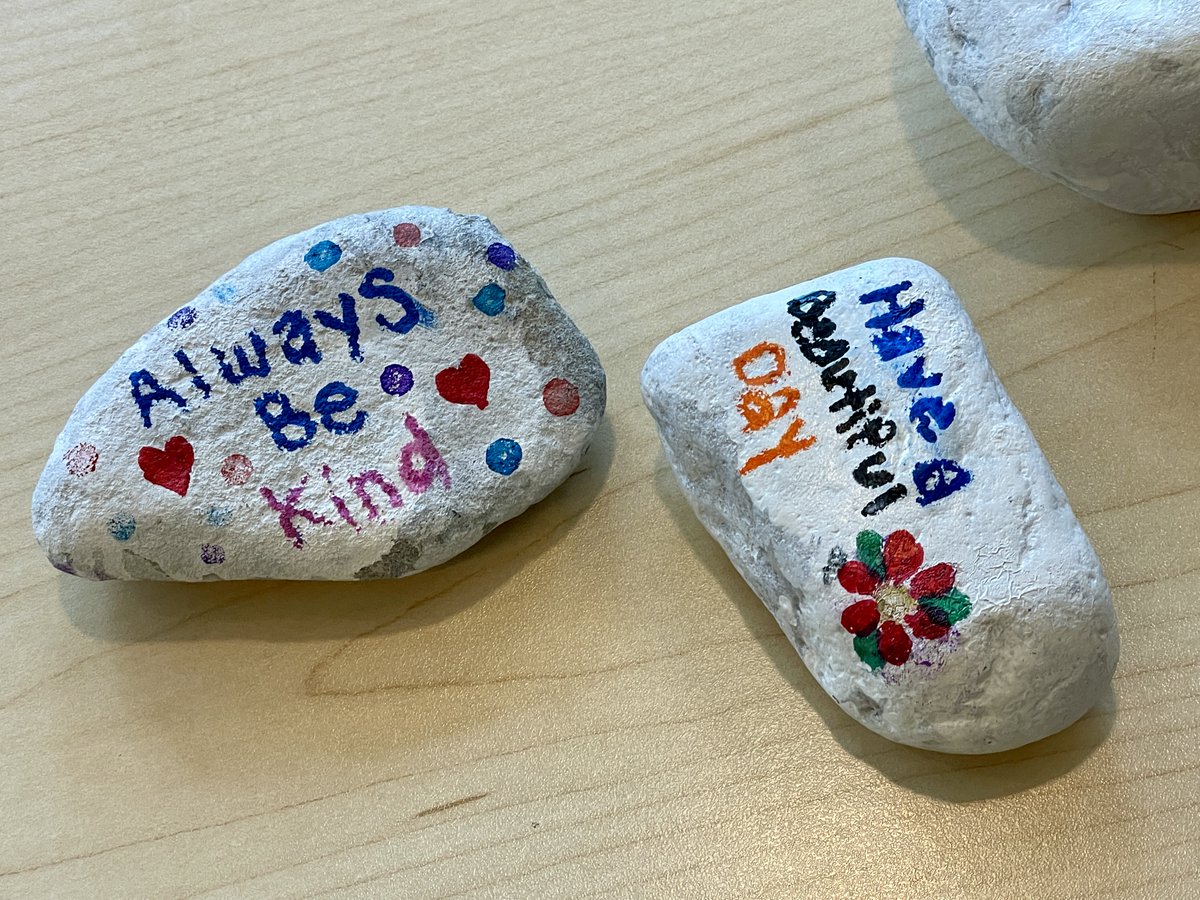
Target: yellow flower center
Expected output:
[894,601]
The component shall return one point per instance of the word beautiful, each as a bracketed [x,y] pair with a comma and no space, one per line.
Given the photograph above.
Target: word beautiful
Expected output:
[290,426]
[814,333]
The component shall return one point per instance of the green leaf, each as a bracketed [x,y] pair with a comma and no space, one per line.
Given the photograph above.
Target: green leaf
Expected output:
[870,551]
[867,648]
[954,603]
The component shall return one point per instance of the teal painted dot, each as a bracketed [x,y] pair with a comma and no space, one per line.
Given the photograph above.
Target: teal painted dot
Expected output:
[224,292]
[503,456]
[122,527]
[322,255]
[219,516]
[490,299]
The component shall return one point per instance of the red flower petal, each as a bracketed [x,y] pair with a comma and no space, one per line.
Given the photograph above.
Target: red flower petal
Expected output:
[924,627]
[861,618]
[932,582]
[902,556]
[857,578]
[894,643]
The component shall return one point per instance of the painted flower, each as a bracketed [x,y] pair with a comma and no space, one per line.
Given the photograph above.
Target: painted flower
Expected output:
[901,600]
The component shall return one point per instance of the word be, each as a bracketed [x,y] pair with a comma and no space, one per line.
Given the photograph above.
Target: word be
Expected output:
[758,407]
[336,397]
[418,466]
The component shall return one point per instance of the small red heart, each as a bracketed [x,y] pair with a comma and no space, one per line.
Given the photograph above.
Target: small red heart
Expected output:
[465,383]
[170,467]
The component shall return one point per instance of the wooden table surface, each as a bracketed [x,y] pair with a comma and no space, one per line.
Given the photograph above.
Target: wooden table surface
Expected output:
[590,701]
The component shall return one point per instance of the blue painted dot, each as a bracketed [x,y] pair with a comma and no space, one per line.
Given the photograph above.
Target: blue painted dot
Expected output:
[396,379]
[184,317]
[322,255]
[224,292]
[490,300]
[503,456]
[427,318]
[502,256]
[122,527]
[219,516]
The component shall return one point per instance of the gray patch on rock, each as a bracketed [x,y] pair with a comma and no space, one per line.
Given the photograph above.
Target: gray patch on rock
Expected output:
[139,567]
[396,563]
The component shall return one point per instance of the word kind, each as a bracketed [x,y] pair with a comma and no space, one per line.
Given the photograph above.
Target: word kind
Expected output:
[418,466]
[814,334]
[291,425]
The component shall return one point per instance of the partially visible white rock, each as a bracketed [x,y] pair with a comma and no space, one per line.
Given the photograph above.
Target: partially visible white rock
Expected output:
[1101,95]
[847,443]
[362,400]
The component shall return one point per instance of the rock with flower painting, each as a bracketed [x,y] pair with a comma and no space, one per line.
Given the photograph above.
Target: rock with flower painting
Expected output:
[362,400]
[847,443]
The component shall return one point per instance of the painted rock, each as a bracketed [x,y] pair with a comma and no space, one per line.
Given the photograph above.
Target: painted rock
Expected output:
[1103,96]
[363,400]
[848,445]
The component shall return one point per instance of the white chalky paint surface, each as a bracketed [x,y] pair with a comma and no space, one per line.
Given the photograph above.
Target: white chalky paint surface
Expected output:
[1035,640]
[397,456]
[1101,95]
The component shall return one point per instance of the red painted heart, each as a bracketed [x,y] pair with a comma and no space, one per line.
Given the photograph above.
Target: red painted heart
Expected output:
[170,467]
[465,383]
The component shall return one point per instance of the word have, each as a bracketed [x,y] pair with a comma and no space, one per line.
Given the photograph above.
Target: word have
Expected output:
[759,409]
[940,477]
[418,466]
[297,343]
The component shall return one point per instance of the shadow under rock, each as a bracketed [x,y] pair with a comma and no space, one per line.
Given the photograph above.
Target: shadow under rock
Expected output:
[130,612]
[1014,210]
[950,777]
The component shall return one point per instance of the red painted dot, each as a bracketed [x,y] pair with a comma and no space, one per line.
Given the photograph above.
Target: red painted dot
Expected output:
[81,459]
[236,469]
[561,397]
[406,234]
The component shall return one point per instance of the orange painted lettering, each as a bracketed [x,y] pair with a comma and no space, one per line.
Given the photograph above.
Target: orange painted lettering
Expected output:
[789,445]
[766,348]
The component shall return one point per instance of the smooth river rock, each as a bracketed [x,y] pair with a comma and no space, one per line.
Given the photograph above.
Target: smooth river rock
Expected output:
[362,400]
[849,446]
[1101,95]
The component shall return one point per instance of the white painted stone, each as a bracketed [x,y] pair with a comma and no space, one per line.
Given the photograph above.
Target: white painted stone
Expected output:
[1101,95]
[403,445]
[752,405]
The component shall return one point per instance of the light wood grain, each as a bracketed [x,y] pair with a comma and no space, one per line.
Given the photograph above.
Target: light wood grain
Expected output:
[591,701]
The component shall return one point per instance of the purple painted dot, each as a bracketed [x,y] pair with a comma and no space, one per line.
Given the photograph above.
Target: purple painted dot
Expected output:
[396,379]
[182,318]
[213,554]
[502,256]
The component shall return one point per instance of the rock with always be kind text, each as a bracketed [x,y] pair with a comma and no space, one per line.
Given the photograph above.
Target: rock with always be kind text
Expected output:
[849,446]
[362,400]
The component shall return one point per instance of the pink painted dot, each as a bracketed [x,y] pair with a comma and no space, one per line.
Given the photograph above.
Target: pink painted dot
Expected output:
[406,234]
[81,459]
[561,397]
[236,469]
